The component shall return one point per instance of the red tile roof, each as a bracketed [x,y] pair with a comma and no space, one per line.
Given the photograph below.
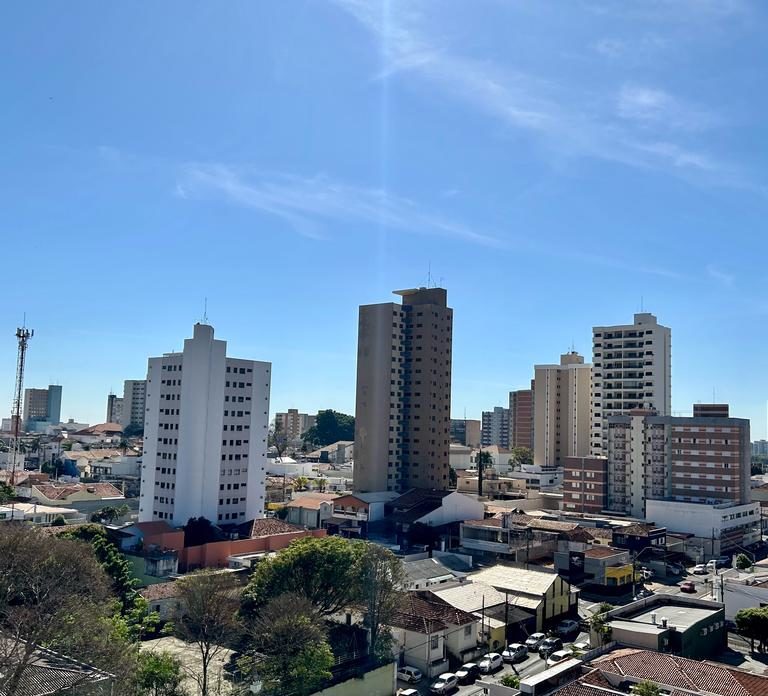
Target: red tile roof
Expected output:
[57,491]
[161,590]
[682,673]
[155,527]
[602,552]
[424,612]
[311,501]
[269,526]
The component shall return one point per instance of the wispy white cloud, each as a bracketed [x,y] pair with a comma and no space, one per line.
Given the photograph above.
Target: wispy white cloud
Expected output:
[650,106]
[571,122]
[719,275]
[309,204]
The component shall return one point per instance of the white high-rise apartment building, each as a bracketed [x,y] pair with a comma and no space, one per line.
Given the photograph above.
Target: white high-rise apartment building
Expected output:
[205,434]
[561,410]
[134,403]
[495,428]
[632,370]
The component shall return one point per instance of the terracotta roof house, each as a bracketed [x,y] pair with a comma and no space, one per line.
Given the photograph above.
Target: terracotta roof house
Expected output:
[311,510]
[55,493]
[427,630]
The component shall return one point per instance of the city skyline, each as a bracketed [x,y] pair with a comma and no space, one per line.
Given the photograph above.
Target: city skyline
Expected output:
[578,165]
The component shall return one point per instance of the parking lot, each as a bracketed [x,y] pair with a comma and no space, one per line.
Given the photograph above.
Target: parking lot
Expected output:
[533,664]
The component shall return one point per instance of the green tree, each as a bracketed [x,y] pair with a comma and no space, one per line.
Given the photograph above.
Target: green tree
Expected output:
[753,624]
[380,581]
[133,431]
[301,483]
[159,674]
[210,621]
[743,561]
[321,569]
[321,484]
[510,680]
[59,521]
[289,636]
[598,623]
[67,446]
[330,426]
[646,688]
[522,455]
[56,594]
[199,531]
[6,493]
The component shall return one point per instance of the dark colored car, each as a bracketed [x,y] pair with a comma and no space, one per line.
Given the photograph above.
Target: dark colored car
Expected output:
[549,646]
[468,673]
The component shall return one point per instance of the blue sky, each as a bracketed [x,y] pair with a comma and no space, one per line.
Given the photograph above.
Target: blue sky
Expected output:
[555,165]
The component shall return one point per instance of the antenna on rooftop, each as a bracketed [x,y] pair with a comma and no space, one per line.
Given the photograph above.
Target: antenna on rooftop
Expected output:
[429,274]
[205,310]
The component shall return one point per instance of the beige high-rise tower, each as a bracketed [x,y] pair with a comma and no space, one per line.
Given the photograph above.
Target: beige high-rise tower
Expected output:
[632,371]
[402,412]
[561,417]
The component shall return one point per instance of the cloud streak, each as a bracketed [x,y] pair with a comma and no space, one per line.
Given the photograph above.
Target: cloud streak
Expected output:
[307,204]
[633,127]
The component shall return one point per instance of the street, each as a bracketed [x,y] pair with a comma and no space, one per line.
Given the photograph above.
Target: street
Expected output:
[533,664]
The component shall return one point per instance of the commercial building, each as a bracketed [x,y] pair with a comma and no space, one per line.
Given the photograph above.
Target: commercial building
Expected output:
[521,417]
[134,403]
[205,437]
[631,370]
[465,432]
[114,409]
[585,484]
[495,429]
[42,407]
[293,425]
[760,448]
[402,411]
[712,529]
[561,410]
[701,459]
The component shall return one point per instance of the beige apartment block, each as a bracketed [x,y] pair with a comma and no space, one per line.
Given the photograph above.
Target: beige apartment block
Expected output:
[632,370]
[561,410]
[402,411]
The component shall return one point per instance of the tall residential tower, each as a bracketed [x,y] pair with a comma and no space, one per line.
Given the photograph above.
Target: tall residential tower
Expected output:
[402,412]
[205,434]
[632,371]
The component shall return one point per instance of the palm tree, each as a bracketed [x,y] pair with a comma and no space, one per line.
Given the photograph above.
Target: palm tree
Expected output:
[321,483]
[301,482]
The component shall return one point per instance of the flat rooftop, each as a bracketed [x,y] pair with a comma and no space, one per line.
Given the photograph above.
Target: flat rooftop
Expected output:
[682,617]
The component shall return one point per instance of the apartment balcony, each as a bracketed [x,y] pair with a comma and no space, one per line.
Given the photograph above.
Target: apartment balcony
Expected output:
[343,513]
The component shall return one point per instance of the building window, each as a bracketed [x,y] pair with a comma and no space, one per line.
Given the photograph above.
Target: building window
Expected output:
[434,641]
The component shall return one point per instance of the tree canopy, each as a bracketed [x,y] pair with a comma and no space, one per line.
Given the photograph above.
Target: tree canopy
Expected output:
[330,426]
[743,561]
[522,455]
[753,624]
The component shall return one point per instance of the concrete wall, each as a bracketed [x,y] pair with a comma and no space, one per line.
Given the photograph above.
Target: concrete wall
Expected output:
[377,682]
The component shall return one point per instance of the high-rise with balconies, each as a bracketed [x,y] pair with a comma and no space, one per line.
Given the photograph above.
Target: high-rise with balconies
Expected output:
[205,434]
[402,410]
[631,371]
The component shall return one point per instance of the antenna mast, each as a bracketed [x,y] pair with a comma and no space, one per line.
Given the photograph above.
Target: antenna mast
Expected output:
[23,335]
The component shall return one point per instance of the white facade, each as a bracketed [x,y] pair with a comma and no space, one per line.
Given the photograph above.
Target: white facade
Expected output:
[537,477]
[205,434]
[744,591]
[460,456]
[455,507]
[631,370]
[716,528]
[134,403]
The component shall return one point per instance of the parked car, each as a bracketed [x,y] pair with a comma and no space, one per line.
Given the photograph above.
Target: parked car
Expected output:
[723,562]
[467,673]
[490,663]
[567,627]
[534,641]
[549,645]
[700,569]
[560,655]
[408,692]
[642,594]
[515,652]
[581,646]
[688,586]
[445,683]
[675,569]
[409,674]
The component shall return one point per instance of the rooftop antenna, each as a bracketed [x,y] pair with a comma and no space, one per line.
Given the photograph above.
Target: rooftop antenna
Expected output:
[23,334]
[205,310]
[429,274]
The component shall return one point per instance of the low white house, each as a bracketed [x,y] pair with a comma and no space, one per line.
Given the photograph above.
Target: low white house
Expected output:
[460,456]
[287,466]
[740,590]
[35,513]
[427,630]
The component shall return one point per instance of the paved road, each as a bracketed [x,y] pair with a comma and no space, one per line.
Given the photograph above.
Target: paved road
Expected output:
[533,664]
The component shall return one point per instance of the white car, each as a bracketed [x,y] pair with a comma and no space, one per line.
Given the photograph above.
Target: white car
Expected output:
[559,656]
[566,627]
[490,663]
[515,652]
[445,683]
[409,674]
[534,641]
[700,569]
